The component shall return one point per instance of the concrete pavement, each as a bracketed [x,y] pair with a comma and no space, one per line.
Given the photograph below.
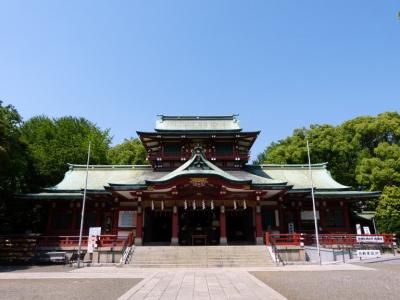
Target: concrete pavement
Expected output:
[184,283]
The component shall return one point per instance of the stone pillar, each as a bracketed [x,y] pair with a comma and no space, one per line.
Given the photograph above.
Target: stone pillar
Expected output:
[175,226]
[259,236]
[222,226]
[139,225]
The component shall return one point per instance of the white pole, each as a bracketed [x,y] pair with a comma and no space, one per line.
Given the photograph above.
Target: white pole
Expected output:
[313,202]
[83,208]
[373,222]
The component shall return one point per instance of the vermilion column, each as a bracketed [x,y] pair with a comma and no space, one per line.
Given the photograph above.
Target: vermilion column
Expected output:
[139,225]
[175,226]
[259,237]
[222,226]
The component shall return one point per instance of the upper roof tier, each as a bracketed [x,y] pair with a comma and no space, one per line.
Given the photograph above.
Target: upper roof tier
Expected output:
[198,123]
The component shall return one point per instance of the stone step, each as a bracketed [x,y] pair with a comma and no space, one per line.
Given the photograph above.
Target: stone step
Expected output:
[200,256]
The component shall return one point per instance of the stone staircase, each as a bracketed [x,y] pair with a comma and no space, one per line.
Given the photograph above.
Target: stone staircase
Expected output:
[200,256]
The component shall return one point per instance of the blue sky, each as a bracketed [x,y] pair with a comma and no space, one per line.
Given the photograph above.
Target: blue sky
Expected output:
[280,64]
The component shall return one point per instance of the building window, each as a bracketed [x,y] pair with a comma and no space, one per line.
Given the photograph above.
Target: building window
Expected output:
[334,218]
[62,219]
[307,220]
[172,149]
[268,218]
[223,149]
[127,218]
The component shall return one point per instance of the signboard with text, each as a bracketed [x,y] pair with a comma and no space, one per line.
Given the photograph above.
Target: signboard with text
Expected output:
[94,233]
[374,239]
[368,253]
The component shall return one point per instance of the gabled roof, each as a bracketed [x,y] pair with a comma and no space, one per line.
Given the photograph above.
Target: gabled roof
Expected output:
[198,123]
[298,175]
[102,175]
[198,165]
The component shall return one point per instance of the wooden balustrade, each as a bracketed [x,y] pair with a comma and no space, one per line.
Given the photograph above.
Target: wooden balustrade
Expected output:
[73,241]
[297,239]
[284,239]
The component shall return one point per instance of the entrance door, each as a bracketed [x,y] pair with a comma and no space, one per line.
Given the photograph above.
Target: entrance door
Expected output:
[239,226]
[198,227]
[157,227]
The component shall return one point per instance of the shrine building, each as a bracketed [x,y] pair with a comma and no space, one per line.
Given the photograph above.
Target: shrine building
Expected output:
[198,189]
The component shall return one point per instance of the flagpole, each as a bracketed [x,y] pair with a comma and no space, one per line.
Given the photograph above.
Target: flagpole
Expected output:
[313,202]
[83,208]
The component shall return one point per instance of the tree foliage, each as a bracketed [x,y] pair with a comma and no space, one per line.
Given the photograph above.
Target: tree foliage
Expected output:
[129,152]
[388,211]
[13,169]
[53,143]
[363,152]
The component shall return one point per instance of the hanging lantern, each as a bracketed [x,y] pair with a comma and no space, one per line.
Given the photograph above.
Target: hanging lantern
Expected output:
[194,204]
[234,205]
[162,205]
[185,205]
[244,204]
[203,205]
[212,204]
[152,205]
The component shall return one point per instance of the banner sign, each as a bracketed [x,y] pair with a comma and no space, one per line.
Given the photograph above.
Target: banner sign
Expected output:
[376,239]
[358,229]
[368,253]
[94,232]
[366,230]
[309,214]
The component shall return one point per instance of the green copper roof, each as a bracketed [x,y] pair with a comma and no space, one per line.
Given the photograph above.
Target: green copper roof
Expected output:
[52,196]
[198,165]
[279,176]
[198,123]
[299,176]
[346,194]
[365,215]
[100,176]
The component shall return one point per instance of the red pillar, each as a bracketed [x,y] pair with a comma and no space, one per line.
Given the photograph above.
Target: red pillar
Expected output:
[115,221]
[175,226]
[222,226]
[139,225]
[259,236]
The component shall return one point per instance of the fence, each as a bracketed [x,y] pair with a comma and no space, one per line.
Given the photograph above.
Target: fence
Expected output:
[301,239]
[73,241]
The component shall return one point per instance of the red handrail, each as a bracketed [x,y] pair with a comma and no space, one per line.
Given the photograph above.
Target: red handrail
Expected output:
[324,239]
[73,240]
[283,239]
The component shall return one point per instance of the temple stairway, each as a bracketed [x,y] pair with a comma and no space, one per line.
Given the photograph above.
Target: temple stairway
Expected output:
[200,256]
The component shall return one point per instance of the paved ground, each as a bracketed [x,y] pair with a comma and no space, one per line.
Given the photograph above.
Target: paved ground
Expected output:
[52,289]
[113,282]
[382,283]
[201,284]
[36,268]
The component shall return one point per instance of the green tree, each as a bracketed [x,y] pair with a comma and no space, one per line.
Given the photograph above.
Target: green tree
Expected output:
[53,143]
[388,211]
[327,145]
[382,169]
[14,163]
[363,152]
[129,152]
